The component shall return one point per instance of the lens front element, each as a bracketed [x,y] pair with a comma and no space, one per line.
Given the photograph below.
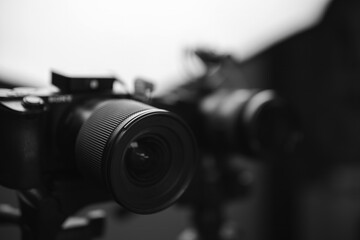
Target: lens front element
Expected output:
[147,161]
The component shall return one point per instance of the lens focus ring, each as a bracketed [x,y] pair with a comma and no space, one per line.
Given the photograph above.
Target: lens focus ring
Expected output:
[95,133]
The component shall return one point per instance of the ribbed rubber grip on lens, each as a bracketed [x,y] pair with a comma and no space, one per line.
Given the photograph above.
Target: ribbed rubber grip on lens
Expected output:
[96,132]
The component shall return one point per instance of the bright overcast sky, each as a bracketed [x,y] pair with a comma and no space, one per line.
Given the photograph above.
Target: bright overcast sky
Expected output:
[138,37]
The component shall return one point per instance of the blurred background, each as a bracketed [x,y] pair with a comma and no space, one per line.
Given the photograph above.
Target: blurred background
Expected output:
[306,51]
[138,38]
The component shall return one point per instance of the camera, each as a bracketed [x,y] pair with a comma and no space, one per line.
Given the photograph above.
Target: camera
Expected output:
[234,121]
[229,118]
[100,141]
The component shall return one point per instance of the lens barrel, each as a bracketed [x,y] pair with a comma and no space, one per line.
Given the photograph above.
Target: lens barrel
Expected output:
[145,156]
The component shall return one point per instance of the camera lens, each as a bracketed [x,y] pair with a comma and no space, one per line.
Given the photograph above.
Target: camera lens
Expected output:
[144,155]
[249,121]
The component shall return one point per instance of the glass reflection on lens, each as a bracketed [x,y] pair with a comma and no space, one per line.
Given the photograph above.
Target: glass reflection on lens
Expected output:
[146,162]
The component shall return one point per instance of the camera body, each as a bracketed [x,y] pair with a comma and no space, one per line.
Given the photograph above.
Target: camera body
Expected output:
[85,129]
[31,123]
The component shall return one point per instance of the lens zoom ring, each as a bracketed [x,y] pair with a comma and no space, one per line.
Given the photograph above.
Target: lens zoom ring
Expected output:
[96,131]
